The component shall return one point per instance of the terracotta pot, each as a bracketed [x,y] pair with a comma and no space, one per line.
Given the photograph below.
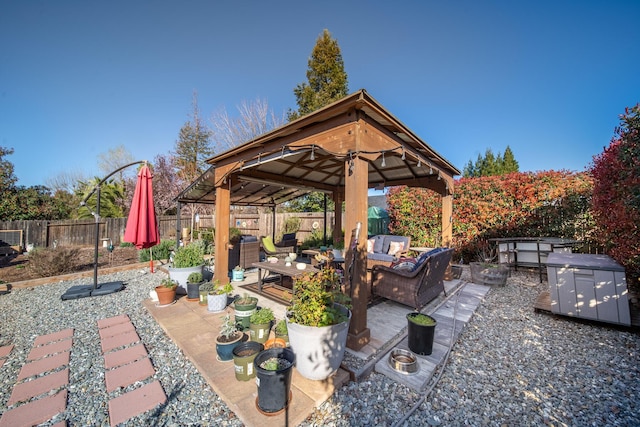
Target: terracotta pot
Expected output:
[165,295]
[275,343]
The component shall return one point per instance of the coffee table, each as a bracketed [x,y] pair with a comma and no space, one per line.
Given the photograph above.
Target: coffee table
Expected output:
[279,268]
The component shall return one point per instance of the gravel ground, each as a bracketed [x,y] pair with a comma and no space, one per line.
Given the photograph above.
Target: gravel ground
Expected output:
[510,366]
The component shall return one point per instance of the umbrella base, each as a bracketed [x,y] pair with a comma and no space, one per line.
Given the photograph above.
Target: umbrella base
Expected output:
[83,291]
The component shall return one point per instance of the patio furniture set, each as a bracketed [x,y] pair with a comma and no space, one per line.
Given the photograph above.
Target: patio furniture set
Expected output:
[393,275]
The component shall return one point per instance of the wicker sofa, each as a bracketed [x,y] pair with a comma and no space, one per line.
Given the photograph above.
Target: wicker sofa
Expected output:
[378,249]
[416,287]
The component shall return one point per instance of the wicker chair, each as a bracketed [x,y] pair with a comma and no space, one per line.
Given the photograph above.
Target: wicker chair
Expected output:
[414,288]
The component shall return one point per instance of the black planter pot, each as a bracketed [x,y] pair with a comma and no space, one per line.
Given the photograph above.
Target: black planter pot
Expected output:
[193,291]
[274,386]
[420,336]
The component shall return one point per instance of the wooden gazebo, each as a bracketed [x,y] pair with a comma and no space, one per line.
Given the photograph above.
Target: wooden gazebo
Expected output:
[343,150]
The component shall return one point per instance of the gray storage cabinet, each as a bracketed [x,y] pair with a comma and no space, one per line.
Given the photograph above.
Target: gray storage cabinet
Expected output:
[588,286]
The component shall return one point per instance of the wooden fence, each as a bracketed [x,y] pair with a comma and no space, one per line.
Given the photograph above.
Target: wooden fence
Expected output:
[82,232]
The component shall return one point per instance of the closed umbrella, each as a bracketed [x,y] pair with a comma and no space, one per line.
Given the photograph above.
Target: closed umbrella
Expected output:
[142,225]
[148,219]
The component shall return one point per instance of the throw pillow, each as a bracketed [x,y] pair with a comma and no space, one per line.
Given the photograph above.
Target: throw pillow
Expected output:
[404,264]
[395,247]
[370,244]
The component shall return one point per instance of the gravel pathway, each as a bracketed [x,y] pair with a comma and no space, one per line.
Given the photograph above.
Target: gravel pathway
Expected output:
[510,366]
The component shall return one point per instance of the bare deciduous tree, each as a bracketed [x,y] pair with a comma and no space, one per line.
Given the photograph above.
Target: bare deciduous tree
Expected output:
[254,119]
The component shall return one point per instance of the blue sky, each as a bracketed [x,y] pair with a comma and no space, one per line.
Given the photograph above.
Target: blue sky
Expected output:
[547,78]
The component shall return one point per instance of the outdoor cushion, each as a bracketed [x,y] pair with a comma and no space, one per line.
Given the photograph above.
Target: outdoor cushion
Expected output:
[378,244]
[370,244]
[267,243]
[406,264]
[288,236]
[395,247]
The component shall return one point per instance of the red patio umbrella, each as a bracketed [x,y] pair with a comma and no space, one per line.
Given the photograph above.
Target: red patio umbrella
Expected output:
[142,226]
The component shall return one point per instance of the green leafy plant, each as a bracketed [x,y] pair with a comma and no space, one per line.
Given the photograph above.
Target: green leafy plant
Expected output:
[160,251]
[262,316]
[275,364]
[245,299]
[422,319]
[195,277]
[188,256]
[234,235]
[228,329]
[281,328]
[168,283]
[218,289]
[314,296]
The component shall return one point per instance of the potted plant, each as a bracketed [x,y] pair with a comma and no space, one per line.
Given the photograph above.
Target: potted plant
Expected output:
[281,331]
[421,329]
[244,306]
[166,291]
[186,260]
[243,357]
[260,324]
[204,290]
[193,286]
[218,297]
[318,323]
[274,368]
[486,271]
[228,339]
[237,274]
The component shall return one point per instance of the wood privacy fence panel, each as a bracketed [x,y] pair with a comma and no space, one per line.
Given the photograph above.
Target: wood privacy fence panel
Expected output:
[41,233]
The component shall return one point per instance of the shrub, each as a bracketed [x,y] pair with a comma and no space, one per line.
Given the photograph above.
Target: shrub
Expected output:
[547,203]
[616,194]
[47,262]
[191,255]
[160,251]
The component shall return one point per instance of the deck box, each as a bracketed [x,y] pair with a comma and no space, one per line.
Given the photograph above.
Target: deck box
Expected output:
[588,286]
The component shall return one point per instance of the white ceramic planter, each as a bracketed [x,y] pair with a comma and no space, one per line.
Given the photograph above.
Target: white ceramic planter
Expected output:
[216,303]
[181,275]
[319,350]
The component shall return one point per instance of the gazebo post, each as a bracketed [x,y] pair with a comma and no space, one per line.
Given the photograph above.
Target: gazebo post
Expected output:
[223,213]
[338,199]
[356,197]
[447,220]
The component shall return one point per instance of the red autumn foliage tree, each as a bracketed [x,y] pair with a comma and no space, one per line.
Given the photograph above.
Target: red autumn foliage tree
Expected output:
[616,193]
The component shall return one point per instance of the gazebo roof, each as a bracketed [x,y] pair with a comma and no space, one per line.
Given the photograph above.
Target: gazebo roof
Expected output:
[309,154]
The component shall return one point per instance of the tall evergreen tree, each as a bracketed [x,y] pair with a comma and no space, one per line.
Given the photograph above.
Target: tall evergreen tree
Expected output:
[326,78]
[490,164]
[193,147]
[326,83]
[509,162]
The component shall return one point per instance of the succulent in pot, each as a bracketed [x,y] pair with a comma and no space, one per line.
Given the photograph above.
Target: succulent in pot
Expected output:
[228,338]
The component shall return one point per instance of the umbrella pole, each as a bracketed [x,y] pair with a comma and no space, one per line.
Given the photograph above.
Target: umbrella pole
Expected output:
[95,251]
[151,260]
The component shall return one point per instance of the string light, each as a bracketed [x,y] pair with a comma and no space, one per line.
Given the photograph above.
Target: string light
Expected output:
[419,163]
[383,164]
[403,156]
[313,155]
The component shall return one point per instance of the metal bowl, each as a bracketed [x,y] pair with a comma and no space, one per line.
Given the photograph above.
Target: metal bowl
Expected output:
[403,361]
